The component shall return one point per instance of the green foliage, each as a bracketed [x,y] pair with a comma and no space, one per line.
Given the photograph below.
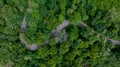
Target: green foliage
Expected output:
[84,47]
[74,34]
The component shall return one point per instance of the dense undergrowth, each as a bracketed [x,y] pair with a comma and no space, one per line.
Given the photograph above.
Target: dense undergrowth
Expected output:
[84,47]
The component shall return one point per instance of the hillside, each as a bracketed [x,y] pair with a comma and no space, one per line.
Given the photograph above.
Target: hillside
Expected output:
[59,33]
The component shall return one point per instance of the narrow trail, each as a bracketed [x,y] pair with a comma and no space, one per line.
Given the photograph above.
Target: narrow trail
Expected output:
[54,33]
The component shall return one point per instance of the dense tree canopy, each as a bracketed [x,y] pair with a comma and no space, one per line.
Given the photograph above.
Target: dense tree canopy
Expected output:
[84,47]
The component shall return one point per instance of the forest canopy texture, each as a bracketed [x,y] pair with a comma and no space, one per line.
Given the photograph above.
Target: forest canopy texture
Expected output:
[74,46]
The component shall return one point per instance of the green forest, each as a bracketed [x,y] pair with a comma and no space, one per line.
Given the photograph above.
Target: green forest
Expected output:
[59,33]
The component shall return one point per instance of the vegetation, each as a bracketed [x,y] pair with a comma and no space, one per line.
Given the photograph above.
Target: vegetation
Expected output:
[84,47]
